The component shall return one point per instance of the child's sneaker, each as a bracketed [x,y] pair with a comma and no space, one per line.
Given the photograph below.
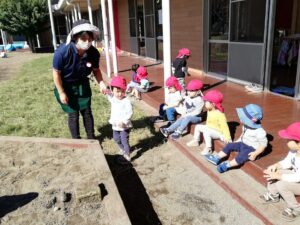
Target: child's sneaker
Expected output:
[176,135]
[223,167]
[121,151]
[269,198]
[164,131]
[127,157]
[214,159]
[206,151]
[290,214]
[193,143]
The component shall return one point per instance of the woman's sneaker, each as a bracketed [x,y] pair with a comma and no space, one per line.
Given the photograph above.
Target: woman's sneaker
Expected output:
[269,198]
[290,214]
[193,143]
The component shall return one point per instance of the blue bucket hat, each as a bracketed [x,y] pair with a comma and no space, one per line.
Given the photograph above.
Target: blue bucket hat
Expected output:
[250,115]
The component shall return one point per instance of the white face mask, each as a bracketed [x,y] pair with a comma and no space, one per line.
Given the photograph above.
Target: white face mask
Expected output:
[83,45]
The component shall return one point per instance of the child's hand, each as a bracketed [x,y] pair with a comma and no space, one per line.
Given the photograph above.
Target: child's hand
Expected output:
[272,175]
[272,168]
[121,125]
[252,156]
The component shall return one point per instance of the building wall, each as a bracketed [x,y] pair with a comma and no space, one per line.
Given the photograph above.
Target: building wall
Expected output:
[123,24]
[187,30]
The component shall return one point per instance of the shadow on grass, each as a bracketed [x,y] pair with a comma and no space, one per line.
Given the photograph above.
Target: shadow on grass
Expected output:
[133,193]
[13,202]
[155,140]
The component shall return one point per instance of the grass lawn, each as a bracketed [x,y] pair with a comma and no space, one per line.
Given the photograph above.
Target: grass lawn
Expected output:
[29,108]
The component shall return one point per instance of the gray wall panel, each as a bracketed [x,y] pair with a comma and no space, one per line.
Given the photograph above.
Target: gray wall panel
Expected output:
[245,62]
[134,45]
[151,47]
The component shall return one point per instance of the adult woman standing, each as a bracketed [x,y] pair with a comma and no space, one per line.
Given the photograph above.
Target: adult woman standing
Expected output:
[72,63]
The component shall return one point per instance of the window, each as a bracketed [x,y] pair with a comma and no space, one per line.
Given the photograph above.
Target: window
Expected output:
[247,20]
[149,26]
[219,16]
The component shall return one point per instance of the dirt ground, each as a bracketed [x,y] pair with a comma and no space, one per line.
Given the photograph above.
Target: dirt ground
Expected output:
[41,184]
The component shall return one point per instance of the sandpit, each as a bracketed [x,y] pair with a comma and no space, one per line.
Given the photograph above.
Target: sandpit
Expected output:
[57,181]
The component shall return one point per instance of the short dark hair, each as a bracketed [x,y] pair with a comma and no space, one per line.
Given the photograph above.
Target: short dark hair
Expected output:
[134,67]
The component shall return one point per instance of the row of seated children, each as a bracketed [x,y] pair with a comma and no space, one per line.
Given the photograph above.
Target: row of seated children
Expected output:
[283,176]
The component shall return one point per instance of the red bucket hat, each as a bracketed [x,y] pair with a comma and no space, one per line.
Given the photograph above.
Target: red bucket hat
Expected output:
[194,85]
[173,82]
[216,97]
[119,82]
[182,52]
[292,132]
[142,72]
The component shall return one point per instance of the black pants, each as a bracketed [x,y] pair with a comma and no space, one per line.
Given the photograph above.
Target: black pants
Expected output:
[88,121]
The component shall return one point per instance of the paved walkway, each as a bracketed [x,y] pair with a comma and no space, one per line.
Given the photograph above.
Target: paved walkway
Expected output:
[279,111]
[242,185]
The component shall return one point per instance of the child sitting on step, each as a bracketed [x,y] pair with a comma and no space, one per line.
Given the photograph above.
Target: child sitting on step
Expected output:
[284,176]
[251,143]
[167,110]
[189,110]
[139,83]
[216,123]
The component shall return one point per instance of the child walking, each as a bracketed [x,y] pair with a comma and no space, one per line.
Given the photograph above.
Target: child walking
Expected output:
[251,143]
[284,176]
[216,123]
[190,110]
[121,113]
[179,65]
[167,110]
[139,83]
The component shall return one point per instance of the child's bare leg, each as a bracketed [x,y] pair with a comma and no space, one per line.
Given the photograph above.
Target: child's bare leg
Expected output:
[221,154]
[233,163]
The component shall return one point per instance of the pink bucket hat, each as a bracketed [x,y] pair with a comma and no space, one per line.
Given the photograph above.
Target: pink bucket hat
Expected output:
[215,97]
[119,82]
[142,72]
[194,85]
[182,52]
[173,82]
[292,132]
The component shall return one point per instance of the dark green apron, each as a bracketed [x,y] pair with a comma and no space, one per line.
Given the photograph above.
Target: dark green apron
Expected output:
[79,95]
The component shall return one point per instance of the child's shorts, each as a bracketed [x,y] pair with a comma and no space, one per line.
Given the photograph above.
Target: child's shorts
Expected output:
[242,149]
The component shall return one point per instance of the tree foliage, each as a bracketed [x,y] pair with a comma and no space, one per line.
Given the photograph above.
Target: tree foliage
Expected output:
[23,17]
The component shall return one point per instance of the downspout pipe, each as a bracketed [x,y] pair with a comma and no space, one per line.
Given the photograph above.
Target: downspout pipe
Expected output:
[52,25]
[105,34]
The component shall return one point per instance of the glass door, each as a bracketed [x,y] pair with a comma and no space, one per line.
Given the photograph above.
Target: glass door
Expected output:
[134,42]
[246,47]
[150,37]
[218,36]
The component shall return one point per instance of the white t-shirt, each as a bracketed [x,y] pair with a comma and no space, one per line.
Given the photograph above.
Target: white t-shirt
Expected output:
[191,106]
[254,137]
[173,98]
[291,161]
[121,112]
